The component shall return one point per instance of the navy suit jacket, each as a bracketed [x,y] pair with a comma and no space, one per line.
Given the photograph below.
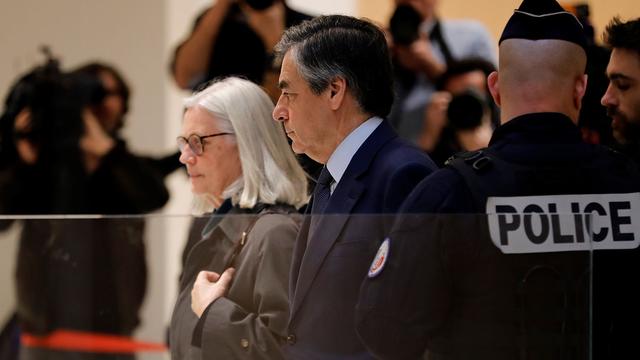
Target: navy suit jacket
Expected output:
[329,266]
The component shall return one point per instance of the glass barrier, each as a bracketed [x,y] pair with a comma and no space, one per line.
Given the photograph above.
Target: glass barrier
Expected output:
[518,285]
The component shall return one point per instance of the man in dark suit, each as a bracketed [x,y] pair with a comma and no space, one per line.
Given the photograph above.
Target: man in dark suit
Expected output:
[336,83]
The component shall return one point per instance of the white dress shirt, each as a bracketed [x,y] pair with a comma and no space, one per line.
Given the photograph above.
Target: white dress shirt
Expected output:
[342,155]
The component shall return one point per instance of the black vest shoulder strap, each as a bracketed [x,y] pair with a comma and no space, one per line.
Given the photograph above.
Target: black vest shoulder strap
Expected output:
[487,174]
[473,166]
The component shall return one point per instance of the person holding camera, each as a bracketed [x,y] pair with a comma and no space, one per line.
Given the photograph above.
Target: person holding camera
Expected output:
[107,118]
[57,158]
[461,114]
[234,37]
[423,46]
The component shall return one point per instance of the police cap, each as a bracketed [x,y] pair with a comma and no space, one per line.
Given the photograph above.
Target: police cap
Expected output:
[544,19]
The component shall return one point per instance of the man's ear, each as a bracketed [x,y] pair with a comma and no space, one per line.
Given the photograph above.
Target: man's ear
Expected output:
[580,87]
[494,89]
[337,91]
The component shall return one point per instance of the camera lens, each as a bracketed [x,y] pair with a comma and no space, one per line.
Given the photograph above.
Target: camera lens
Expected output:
[466,110]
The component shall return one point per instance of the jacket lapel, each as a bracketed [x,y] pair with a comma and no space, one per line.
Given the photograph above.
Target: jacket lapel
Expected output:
[312,249]
[298,251]
[319,243]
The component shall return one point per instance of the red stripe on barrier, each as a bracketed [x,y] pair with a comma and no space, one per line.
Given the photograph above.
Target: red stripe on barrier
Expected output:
[89,342]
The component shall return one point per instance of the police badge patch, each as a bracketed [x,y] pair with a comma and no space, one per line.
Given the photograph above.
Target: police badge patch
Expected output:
[380,260]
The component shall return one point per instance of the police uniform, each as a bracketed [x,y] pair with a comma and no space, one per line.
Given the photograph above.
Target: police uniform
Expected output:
[445,285]
[439,282]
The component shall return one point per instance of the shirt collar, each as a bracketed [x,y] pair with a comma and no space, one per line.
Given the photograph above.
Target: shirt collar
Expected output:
[342,155]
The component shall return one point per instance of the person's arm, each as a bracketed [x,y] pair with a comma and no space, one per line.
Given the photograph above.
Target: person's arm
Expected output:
[166,164]
[192,56]
[230,331]
[133,184]
[435,119]
[419,57]
[95,143]
[269,23]
[124,182]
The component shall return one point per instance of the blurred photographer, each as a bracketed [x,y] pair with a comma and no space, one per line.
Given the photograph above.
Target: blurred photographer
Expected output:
[423,47]
[110,110]
[234,37]
[56,158]
[461,115]
[42,127]
[50,128]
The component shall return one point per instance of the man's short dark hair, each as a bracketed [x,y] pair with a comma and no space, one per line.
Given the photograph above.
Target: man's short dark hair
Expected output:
[341,46]
[625,35]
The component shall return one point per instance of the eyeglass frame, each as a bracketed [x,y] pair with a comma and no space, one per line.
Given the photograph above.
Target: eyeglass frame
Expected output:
[185,141]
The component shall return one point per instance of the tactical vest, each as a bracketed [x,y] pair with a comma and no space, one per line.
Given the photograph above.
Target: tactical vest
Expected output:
[555,300]
[486,174]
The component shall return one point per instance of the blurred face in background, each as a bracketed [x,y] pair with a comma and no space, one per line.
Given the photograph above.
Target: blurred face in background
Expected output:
[110,112]
[622,98]
[478,137]
[219,164]
[475,79]
[426,8]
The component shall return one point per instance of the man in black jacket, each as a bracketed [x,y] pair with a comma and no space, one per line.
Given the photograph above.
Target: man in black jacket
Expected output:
[505,286]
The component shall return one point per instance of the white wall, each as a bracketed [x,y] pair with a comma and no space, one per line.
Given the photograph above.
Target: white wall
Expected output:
[129,34]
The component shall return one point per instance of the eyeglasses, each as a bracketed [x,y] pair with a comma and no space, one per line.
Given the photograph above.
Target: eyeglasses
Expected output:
[195,142]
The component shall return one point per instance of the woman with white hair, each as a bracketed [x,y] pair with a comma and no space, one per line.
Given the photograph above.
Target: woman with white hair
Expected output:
[233,300]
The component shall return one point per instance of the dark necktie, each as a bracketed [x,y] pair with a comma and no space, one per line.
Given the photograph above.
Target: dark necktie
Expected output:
[321,195]
[322,192]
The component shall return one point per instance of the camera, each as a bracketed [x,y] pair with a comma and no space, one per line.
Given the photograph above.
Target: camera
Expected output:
[466,110]
[56,102]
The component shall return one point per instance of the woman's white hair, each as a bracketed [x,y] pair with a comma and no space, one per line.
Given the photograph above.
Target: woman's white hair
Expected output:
[270,172]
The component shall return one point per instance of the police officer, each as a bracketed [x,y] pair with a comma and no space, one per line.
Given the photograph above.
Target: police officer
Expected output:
[439,283]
